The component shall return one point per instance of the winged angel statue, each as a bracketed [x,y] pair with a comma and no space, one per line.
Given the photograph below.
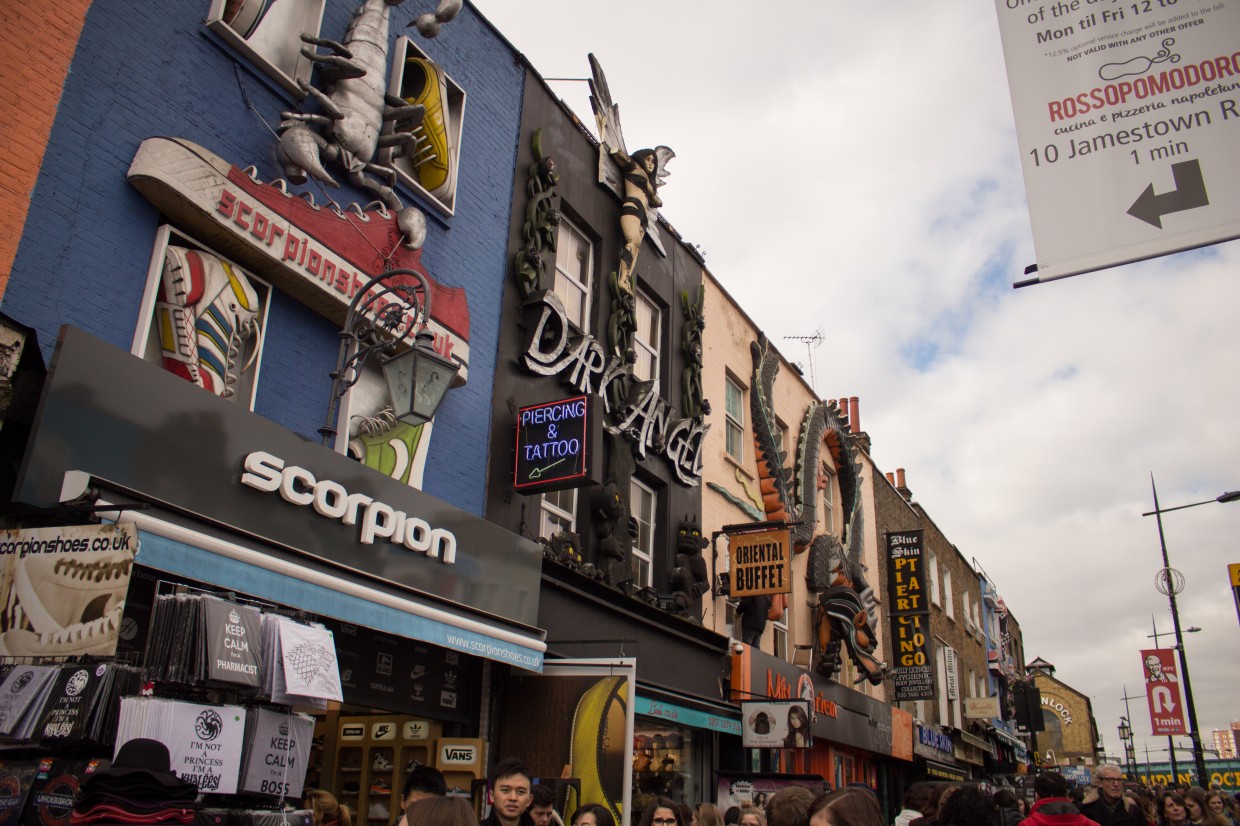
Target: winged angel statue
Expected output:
[643,172]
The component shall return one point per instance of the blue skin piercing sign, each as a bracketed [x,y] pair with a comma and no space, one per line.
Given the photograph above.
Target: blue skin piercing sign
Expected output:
[551,445]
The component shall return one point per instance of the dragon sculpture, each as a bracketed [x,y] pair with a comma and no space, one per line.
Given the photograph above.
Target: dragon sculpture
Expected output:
[845,613]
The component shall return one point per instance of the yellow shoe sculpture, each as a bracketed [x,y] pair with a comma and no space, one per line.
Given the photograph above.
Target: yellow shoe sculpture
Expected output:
[425,83]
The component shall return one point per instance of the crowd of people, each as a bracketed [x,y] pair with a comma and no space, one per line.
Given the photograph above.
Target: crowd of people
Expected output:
[517,801]
[1109,801]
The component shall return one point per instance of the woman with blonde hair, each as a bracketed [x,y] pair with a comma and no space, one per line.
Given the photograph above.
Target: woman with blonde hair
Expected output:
[326,809]
[752,816]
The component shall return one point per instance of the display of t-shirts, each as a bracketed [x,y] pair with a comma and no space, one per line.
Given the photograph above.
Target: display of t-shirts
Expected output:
[23,694]
[233,636]
[302,664]
[15,779]
[276,754]
[55,783]
[204,741]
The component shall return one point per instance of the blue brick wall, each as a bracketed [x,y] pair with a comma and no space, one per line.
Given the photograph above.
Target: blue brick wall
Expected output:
[145,68]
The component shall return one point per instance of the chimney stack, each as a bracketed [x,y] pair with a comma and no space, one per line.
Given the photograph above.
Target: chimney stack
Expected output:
[901,487]
[854,415]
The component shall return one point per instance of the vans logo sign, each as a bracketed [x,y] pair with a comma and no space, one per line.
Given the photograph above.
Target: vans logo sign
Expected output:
[458,754]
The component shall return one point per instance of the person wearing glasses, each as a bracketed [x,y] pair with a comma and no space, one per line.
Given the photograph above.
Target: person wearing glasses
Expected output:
[661,812]
[1108,805]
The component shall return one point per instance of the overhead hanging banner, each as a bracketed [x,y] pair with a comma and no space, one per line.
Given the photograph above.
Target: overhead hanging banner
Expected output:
[912,674]
[1162,689]
[1127,116]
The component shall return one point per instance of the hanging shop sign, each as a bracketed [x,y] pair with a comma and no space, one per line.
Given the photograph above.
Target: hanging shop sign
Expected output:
[1126,117]
[981,708]
[776,724]
[309,504]
[552,445]
[66,583]
[582,363]
[912,674]
[1162,690]
[321,256]
[761,563]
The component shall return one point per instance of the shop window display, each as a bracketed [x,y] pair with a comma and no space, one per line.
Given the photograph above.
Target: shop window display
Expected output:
[662,759]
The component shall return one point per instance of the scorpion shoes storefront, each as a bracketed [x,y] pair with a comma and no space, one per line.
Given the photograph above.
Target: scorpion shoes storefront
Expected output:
[856,738]
[405,597]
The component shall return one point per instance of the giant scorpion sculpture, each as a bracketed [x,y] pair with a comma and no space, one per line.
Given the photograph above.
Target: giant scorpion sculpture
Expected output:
[358,118]
[845,613]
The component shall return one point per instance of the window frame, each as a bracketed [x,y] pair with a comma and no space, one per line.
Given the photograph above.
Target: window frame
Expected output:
[643,554]
[550,510]
[566,225]
[949,606]
[779,636]
[454,115]
[146,337]
[933,567]
[653,350]
[252,45]
[732,423]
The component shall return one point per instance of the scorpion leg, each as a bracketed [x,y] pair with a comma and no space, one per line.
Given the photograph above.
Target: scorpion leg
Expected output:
[335,67]
[327,104]
[384,193]
[335,45]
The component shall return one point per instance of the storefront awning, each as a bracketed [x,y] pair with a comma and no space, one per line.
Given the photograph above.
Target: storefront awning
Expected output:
[978,743]
[178,550]
[725,720]
[1007,738]
[943,771]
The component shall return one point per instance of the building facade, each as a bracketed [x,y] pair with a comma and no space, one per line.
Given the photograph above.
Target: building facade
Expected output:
[217,194]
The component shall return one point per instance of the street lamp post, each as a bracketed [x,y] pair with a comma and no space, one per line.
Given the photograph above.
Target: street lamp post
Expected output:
[1125,739]
[1173,582]
[388,310]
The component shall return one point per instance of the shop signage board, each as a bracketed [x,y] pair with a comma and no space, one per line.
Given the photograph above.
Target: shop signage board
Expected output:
[1233,574]
[761,563]
[912,674]
[136,409]
[1127,117]
[1162,690]
[47,579]
[981,708]
[680,715]
[552,445]
[776,724]
[838,713]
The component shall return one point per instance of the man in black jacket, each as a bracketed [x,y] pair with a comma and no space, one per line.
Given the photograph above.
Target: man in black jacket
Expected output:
[511,794]
[1107,804]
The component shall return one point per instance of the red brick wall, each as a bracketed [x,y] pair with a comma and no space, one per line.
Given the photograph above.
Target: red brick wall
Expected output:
[41,38]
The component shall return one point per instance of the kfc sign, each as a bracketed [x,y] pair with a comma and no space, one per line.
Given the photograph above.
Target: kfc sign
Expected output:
[1162,689]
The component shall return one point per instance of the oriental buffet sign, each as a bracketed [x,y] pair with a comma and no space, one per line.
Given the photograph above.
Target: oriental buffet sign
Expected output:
[581,362]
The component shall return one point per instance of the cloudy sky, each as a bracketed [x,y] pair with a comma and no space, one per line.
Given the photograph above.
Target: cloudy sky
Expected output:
[853,167]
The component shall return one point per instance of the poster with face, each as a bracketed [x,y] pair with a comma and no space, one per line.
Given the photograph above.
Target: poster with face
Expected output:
[776,724]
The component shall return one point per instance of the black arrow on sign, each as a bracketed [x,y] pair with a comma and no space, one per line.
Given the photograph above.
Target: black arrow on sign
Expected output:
[1189,193]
